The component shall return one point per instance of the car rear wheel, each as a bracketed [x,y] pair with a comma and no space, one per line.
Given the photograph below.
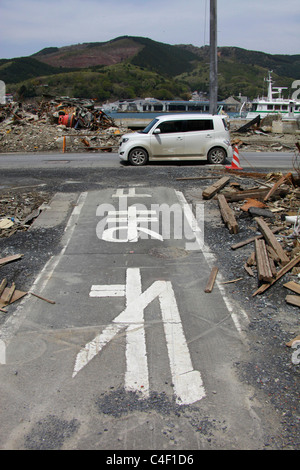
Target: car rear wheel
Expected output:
[216,155]
[138,156]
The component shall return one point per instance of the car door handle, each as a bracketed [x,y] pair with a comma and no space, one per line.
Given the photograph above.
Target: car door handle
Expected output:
[208,136]
[179,138]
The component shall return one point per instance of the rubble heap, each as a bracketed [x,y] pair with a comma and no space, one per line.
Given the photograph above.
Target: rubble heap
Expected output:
[19,208]
[67,124]
[272,204]
[258,135]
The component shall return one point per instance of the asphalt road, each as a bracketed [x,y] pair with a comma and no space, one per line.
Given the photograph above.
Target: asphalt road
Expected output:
[248,160]
[134,354]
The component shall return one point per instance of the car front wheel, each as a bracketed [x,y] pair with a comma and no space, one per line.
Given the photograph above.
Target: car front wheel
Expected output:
[138,156]
[216,155]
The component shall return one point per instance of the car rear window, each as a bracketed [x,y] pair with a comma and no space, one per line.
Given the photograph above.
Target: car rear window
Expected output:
[199,125]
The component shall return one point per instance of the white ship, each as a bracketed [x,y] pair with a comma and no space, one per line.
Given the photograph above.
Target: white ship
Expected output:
[288,108]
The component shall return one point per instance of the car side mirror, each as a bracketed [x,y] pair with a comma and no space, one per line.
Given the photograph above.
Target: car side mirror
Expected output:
[156,131]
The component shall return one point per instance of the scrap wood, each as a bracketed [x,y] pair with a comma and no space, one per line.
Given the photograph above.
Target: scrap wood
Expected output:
[228,215]
[279,274]
[294,286]
[2,286]
[42,298]
[211,280]
[233,280]
[252,239]
[271,240]
[253,194]
[210,191]
[282,180]
[249,270]
[262,261]
[293,300]
[8,259]
[16,295]
[7,294]
[251,261]
[247,174]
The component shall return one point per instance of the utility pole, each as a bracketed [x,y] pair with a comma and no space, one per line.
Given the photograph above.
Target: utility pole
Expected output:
[213,75]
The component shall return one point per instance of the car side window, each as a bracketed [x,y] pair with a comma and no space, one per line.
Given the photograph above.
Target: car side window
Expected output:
[199,125]
[168,127]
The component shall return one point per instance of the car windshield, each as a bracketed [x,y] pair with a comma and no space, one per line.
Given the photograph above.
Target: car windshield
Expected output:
[150,125]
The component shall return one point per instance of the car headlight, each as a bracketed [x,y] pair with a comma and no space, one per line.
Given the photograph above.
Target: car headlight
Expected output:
[125,139]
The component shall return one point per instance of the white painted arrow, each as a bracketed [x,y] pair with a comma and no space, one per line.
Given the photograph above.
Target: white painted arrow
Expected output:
[187,382]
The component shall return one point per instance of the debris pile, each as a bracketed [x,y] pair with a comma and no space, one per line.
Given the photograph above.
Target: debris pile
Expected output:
[272,205]
[18,209]
[258,135]
[67,124]
[9,294]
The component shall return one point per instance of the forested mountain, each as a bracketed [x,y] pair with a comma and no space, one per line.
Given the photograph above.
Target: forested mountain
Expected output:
[130,67]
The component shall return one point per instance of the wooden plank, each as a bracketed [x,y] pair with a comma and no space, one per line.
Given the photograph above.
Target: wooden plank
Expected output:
[210,191]
[292,285]
[2,286]
[7,294]
[252,239]
[252,194]
[16,295]
[249,270]
[293,299]
[228,215]
[272,241]
[211,280]
[280,273]
[284,178]
[251,261]
[262,262]
[42,298]
[8,259]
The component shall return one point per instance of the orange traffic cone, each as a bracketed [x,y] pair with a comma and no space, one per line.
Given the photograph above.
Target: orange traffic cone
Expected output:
[235,164]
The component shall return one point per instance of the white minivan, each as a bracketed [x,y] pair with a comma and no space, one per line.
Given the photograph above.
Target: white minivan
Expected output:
[178,137]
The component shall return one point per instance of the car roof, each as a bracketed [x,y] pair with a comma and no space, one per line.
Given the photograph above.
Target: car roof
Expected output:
[165,117]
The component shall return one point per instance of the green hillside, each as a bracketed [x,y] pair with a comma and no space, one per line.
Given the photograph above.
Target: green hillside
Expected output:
[130,67]
[24,68]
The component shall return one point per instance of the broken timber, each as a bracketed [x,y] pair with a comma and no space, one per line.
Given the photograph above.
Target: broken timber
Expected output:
[284,178]
[8,259]
[227,215]
[252,239]
[252,194]
[272,241]
[262,262]
[211,280]
[294,286]
[293,299]
[280,273]
[210,191]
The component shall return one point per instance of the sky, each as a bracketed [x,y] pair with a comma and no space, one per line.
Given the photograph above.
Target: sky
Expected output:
[27,26]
